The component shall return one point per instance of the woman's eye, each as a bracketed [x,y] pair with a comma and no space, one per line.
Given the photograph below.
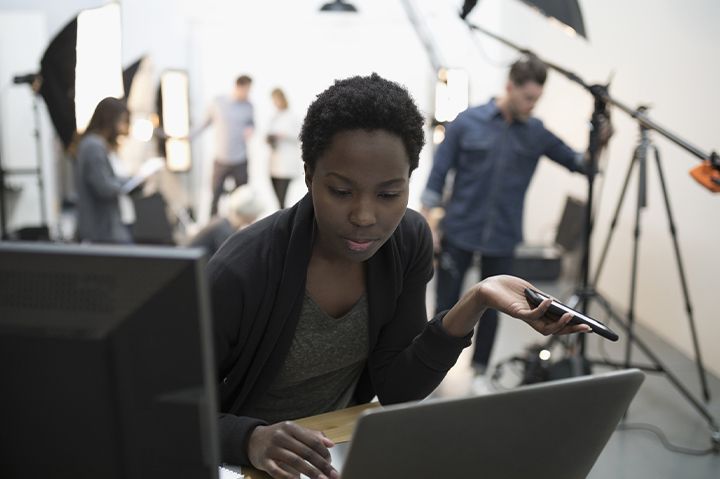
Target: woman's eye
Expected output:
[389,195]
[339,192]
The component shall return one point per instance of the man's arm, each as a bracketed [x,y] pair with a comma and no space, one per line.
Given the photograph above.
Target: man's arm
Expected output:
[248,132]
[195,131]
[573,160]
[250,127]
[445,159]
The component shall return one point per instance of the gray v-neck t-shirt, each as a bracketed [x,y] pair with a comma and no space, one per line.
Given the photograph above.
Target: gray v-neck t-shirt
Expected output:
[323,365]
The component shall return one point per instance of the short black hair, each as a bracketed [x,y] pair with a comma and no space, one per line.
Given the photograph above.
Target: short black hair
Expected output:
[362,103]
[243,80]
[529,68]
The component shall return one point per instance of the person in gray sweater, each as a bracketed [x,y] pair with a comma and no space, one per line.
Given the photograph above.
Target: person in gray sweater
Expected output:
[98,188]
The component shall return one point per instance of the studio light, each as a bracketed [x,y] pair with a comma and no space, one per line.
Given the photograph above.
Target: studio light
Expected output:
[57,81]
[451,94]
[565,14]
[338,6]
[81,66]
[98,71]
[438,134]
[141,129]
[175,114]
[138,83]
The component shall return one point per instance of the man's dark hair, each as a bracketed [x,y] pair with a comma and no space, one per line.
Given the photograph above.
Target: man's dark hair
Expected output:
[243,80]
[362,103]
[526,69]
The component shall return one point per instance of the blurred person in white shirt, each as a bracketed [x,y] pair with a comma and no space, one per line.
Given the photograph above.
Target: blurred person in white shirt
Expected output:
[283,132]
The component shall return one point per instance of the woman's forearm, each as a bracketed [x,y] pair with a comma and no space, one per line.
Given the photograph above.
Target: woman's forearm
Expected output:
[462,318]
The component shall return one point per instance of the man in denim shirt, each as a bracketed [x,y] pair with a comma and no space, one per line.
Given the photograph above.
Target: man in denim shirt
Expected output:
[493,150]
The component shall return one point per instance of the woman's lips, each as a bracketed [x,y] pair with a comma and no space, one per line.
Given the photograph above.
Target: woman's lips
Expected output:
[358,245]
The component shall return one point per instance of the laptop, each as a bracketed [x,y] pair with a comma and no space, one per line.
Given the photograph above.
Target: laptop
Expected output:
[552,430]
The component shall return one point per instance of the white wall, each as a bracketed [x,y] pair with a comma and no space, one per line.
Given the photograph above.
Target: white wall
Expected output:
[57,14]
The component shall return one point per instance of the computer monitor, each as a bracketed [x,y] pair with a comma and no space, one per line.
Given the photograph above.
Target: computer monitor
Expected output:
[151,222]
[106,363]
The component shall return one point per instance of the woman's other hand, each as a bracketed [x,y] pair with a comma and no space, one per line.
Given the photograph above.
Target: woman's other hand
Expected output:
[285,450]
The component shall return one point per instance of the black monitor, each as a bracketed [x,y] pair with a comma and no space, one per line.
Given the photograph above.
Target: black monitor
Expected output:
[106,363]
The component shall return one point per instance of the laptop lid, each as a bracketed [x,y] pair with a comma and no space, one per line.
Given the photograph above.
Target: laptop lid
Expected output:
[551,430]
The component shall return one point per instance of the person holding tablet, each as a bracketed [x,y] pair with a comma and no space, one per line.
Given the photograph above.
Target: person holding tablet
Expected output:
[98,187]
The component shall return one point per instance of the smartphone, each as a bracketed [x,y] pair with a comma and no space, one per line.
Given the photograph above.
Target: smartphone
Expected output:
[557,309]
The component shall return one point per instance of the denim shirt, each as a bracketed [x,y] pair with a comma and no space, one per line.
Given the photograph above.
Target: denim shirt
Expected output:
[493,162]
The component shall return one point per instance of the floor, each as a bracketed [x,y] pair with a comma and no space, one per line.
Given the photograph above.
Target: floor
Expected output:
[629,453]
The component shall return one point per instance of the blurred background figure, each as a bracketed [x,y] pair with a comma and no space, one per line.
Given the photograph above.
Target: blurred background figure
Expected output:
[243,208]
[98,187]
[285,156]
[232,118]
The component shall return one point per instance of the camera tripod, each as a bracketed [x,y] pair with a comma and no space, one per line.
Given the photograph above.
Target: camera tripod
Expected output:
[588,293]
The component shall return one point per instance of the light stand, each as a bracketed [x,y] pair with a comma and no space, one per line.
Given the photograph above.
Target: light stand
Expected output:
[33,81]
[3,219]
[586,290]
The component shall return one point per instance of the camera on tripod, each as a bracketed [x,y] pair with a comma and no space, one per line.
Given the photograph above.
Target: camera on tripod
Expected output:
[28,78]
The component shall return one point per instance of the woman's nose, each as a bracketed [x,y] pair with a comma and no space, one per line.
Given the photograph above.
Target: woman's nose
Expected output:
[363,212]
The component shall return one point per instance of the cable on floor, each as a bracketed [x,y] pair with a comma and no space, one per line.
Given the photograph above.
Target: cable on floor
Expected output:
[664,440]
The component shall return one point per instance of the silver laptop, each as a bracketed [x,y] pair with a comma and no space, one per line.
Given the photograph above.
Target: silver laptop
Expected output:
[553,430]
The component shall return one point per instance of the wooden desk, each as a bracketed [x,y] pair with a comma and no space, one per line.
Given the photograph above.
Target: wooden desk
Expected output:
[338,426]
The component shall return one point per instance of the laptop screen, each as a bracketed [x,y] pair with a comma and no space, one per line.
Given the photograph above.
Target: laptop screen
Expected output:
[552,430]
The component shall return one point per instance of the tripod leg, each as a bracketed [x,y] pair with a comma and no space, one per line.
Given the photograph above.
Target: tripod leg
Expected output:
[613,223]
[640,158]
[583,295]
[683,282]
[645,349]
[39,166]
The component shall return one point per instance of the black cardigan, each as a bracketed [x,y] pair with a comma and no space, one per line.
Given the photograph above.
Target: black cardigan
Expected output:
[257,283]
